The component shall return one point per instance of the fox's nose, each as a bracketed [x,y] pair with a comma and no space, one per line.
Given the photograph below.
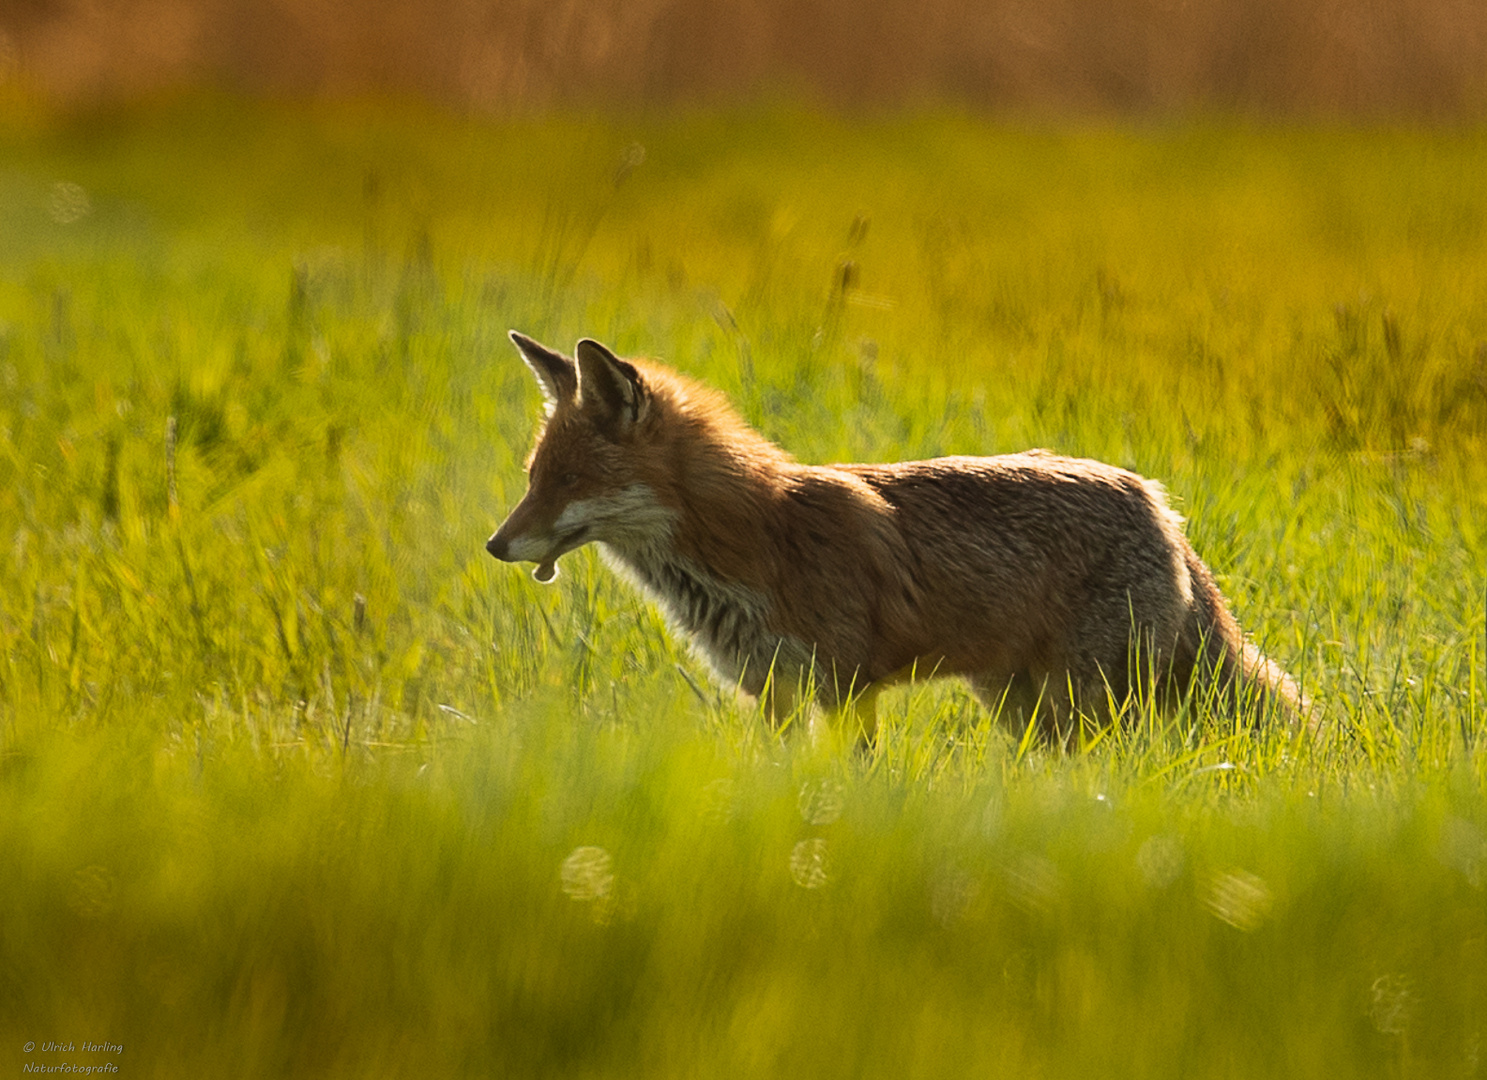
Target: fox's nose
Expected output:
[497,547]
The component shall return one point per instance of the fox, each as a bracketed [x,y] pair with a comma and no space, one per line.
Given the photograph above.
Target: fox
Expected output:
[1059,588]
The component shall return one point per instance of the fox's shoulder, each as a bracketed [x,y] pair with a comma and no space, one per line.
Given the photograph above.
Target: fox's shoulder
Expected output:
[1023,466]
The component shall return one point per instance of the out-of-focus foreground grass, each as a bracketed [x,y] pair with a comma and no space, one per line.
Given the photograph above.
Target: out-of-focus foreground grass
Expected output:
[295,780]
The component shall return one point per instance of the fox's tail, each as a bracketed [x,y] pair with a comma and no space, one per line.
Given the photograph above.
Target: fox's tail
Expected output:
[1247,677]
[1275,693]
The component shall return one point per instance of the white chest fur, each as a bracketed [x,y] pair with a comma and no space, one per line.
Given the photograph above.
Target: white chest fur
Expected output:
[726,623]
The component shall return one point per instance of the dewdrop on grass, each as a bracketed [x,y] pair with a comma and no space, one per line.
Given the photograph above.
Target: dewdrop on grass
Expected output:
[821,801]
[810,863]
[1392,1003]
[1241,899]
[588,874]
[1160,860]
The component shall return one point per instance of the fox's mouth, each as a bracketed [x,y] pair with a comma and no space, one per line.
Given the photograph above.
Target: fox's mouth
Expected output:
[546,568]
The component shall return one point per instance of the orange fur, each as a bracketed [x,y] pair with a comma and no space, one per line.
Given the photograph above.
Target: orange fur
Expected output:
[1055,585]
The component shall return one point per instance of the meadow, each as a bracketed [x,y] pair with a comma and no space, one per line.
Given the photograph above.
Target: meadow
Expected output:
[295,780]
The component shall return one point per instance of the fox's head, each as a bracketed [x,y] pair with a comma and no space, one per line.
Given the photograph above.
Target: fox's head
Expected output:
[584,476]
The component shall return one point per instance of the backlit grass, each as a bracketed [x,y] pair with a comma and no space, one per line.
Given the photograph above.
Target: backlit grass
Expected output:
[296,780]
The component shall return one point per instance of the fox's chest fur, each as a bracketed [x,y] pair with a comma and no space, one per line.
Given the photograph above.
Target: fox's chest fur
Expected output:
[731,625]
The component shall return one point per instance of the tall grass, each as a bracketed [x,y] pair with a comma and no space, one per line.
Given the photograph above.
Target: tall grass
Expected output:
[295,780]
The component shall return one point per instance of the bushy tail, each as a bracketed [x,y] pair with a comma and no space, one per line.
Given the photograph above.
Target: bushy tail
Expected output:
[1248,679]
[1275,693]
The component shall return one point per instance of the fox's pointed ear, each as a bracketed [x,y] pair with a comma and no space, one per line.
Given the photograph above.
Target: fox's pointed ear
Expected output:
[608,386]
[555,373]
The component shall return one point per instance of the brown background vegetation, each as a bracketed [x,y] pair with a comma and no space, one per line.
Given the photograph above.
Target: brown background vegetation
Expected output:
[1344,57]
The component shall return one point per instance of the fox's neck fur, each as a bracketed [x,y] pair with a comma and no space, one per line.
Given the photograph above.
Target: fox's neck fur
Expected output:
[715,490]
[720,478]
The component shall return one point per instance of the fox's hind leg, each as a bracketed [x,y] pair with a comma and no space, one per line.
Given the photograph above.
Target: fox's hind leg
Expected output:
[1025,698]
[780,697]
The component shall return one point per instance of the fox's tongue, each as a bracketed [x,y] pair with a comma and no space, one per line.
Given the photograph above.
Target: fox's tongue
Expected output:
[546,570]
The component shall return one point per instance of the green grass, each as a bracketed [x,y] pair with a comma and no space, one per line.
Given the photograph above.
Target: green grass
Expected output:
[296,780]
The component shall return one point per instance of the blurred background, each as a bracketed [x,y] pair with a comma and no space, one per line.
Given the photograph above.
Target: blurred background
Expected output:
[1343,58]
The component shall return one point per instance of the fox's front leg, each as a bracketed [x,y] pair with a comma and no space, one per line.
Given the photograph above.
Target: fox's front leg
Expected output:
[779,698]
[851,718]
[858,716]
[852,715]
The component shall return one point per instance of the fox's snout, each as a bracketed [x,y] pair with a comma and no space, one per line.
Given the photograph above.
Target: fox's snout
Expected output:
[523,535]
[501,548]
[521,538]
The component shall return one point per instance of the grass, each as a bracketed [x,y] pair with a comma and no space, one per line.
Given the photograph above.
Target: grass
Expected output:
[295,780]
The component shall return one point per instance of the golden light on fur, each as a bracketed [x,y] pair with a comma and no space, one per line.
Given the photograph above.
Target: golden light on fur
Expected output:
[1056,586]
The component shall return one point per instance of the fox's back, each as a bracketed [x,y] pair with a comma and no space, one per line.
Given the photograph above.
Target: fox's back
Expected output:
[1028,551]
[1022,511]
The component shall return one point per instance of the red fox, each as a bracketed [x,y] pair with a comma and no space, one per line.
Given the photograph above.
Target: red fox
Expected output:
[1057,586]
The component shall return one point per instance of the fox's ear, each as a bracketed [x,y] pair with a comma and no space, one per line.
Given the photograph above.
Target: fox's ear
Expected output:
[609,387]
[555,372]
